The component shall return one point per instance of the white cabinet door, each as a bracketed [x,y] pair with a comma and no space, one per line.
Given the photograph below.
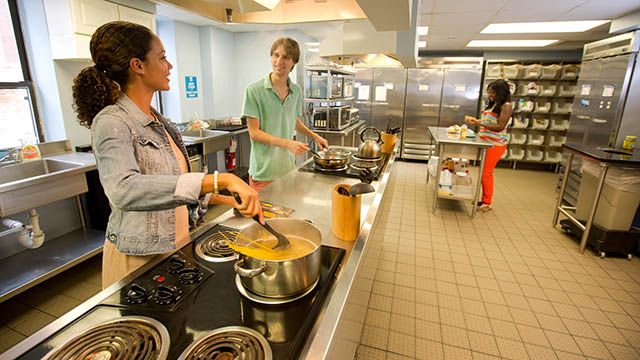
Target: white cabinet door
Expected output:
[88,15]
[138,17]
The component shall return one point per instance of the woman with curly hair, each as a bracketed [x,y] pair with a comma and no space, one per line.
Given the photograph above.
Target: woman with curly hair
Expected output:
[140,155]
[493,128]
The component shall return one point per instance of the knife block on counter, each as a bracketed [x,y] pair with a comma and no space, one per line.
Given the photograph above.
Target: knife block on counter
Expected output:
[345,214]
[388,142]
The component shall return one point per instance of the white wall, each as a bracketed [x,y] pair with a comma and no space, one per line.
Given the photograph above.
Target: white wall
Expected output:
[218,72]
[170,99]
[188,64]
[65,72]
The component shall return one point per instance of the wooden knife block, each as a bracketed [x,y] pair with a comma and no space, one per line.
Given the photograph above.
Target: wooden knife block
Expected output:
[388,142]
[345,214]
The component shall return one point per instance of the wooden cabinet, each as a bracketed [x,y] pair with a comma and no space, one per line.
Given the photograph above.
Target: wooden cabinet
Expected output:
[88,15]
[138,17]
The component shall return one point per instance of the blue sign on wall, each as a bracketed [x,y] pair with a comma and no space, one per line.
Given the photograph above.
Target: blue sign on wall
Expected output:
[191,86]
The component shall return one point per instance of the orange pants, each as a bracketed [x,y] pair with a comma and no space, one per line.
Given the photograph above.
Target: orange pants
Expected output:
[490,161]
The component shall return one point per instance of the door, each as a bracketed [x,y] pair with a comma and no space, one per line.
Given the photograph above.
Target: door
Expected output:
[88,15]
[362,84]
[584,102]
[388,92]
[460,95]
[424,90]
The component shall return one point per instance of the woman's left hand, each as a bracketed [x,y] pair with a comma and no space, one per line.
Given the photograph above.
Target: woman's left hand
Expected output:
[321,142]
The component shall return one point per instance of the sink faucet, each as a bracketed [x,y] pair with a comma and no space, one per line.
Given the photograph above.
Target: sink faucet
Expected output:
[13,156]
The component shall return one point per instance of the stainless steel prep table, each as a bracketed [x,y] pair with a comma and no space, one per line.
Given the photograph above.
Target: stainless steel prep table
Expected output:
[448,145]
[607,158]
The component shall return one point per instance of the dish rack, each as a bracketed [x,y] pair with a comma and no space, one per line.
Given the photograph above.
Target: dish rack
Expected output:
[567,90]
[540,123]
[512,71]
[550,71]
[535,139]
[559,124]
[548,90]
[561,108]
[534,154]
[532,71]
[552,156]
[520,122]
[569,71]
[542,106]
[556,140]
[518,138]
[515,153]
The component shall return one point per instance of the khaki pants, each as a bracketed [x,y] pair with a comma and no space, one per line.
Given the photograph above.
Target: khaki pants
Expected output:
[116,265]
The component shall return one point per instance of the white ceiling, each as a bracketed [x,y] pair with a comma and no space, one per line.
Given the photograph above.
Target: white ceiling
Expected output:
[453,23]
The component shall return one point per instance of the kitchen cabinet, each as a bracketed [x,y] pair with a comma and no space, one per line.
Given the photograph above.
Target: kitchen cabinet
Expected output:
[72,22]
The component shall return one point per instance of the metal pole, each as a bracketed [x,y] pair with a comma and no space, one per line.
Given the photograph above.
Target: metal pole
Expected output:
[437,180]
[483,155]
[81,211]
[565,179]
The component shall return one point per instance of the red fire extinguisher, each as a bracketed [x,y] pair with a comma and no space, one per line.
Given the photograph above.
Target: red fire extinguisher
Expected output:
[230,158]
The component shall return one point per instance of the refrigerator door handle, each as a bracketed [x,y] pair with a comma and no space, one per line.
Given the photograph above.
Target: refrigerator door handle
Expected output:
[452,106]
[598,121]
[583,117]
[430,105]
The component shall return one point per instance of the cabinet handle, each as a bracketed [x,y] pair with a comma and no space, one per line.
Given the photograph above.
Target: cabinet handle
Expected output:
[599,121]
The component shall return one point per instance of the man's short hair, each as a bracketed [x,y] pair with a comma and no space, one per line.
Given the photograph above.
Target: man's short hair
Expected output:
[290,46]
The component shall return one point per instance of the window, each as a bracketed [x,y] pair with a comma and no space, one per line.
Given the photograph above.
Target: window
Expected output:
[18,118]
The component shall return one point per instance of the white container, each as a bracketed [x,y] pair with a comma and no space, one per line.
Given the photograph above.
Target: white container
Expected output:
[559,124]
[569,71]
[556,140]
[550,71]
[517,138]
[494,70]
[525,106]
[561,108]
[520,122]
[512,71]
[534,155]
[542,106]
[552,156]
[532,71]
[548,90]
[567,90]
[540,123]
[535,139]
[515,153]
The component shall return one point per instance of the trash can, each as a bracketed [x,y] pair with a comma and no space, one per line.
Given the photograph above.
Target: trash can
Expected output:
[619,198]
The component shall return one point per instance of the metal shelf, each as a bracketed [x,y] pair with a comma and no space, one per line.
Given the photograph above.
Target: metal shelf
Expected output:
[312,100]
[331,69]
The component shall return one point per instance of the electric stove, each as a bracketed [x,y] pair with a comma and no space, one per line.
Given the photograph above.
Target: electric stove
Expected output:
[353,167]
[189,307]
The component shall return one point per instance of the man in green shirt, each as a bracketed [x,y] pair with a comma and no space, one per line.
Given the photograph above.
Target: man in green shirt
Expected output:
[273,107]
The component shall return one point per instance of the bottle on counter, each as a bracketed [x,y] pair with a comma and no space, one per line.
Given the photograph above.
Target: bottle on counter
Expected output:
[30,150]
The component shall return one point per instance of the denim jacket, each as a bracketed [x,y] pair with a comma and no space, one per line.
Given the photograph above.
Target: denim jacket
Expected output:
[141,177]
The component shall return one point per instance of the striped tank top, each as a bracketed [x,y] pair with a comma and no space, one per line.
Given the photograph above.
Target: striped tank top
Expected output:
[500,138]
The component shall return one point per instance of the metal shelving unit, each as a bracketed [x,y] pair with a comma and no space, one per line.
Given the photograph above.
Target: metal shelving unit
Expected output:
[328,97]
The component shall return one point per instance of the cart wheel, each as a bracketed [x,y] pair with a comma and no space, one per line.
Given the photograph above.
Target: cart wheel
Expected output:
[629,256]
[602,254]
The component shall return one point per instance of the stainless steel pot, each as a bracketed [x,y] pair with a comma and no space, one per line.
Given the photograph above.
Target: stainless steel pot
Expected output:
[332,158]
[370,147]
[280,278]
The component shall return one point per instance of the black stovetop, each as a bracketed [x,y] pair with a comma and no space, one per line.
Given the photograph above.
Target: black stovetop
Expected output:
[349,171]
[208,300]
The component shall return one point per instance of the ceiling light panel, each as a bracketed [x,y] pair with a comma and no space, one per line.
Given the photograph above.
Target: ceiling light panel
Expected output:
[510,43]
[542,27]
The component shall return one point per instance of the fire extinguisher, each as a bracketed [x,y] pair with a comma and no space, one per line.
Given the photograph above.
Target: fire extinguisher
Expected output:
[230,158]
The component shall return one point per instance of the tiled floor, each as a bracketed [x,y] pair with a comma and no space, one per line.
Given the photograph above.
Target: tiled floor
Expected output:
[505,284]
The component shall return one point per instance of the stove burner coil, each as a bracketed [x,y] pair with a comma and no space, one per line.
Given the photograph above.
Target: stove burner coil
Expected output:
[232,342]
[129,337]
[176,263]
[215,248]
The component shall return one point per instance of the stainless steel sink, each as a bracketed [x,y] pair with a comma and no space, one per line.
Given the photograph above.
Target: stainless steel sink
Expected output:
[211,140]
[35,183]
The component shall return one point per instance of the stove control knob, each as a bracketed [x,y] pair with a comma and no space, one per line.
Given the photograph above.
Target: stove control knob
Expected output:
[176,263]
[167,294]
[189,276]
[137,294]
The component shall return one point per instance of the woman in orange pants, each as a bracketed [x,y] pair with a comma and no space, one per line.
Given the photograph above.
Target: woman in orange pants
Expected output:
[493,128]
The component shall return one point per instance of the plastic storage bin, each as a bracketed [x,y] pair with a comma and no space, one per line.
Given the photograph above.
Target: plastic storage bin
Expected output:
[515,153]
[505,155]
[567,90]
[569,71]
[535,139]
[542,106]
[520,122]
[561,108]
[494,70]
[532,71]
[525,106]
[552,156]
[534,155]
[540,123]
[559,124]
[548,90]
[556,140]
[512,71]
[517,137]
[550,71]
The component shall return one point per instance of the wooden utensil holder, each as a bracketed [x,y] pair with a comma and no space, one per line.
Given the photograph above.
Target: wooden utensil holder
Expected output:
[345,214]
[388,142]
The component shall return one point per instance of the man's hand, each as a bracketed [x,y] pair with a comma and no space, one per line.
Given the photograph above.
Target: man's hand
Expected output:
[297,147]
[471,120]
[321,142]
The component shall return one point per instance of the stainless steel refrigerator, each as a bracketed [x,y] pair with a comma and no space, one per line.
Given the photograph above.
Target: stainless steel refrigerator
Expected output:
[605,109]
[437,96]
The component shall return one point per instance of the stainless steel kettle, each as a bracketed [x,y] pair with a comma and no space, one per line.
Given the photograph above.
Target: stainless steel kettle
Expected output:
[371,141]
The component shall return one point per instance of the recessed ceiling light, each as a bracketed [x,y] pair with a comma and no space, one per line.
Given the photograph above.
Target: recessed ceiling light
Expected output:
[423,30]
[542,27]
[422,44]
[510,43]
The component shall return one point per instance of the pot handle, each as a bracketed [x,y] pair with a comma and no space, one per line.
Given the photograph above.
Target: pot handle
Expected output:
[249,273]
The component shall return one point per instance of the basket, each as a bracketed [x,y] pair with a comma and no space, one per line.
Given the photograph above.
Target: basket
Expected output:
[556,140]
[569,71]
[552,156]
[520,122]
[532,71]
[567,90]
[494,70]
[512,71]
[534,155]
[542,106]
[559,124]
[548,90]
[561,108]
[525,106]
[540,123]
[515,153]
[518,138]
[550,71]
[535,139]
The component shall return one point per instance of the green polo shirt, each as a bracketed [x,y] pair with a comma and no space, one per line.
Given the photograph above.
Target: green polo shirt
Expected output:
[276,118]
